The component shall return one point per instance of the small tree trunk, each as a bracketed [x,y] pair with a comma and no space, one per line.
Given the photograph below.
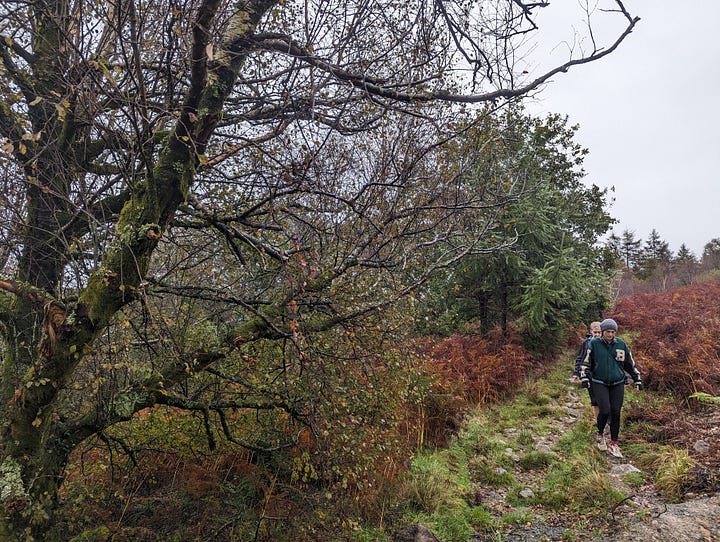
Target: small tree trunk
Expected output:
[33,452]
[504,309]
[30,487]
[483,303]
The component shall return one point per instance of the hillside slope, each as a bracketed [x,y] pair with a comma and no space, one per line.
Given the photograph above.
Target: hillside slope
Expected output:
[536,474]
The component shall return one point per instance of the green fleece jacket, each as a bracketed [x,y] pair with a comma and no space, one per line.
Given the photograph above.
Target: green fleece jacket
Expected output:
[607,362]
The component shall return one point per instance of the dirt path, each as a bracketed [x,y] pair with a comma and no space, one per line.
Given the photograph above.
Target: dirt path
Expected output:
[643,516]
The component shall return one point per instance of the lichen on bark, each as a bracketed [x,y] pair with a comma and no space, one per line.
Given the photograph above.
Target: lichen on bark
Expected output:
[11,483]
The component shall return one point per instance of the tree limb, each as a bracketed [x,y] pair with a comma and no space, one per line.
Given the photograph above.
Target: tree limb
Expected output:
[377,87]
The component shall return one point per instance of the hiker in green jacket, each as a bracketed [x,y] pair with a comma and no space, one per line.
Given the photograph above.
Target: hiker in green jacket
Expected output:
[607,360]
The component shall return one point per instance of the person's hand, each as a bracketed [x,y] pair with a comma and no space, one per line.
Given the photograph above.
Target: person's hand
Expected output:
[585,382]
[639,385]
[575,378]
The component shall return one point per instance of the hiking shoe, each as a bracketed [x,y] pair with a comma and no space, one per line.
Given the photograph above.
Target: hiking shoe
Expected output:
[614,449]
[601,444]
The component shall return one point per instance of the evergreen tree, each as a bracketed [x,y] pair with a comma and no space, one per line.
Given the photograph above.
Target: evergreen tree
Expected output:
[630,249]
[686,265]
[548,270]
[654,265]
[611,252]
[711,255]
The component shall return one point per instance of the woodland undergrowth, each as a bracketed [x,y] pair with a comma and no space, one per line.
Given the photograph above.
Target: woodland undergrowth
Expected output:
[449,455]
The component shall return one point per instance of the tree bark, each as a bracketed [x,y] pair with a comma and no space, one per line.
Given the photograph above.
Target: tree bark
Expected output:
[47,338]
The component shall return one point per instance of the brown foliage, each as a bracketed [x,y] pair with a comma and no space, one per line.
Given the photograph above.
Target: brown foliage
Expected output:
[163,496]
[677,347]
[484,369]
[469,370]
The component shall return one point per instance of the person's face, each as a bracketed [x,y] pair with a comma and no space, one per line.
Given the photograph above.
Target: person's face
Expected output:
[609,334]
[595,332]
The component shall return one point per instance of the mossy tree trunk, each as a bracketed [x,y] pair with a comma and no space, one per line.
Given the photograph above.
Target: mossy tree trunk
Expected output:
[44,336]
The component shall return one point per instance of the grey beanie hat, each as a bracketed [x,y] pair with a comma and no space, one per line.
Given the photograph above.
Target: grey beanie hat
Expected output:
[608,323]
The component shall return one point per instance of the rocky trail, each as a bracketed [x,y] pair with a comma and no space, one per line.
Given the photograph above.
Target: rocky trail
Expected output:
[642,516]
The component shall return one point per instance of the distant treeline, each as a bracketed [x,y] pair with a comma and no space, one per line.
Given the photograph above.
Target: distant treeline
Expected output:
[650,266]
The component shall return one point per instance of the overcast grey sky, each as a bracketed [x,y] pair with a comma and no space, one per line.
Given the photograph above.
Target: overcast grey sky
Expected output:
[649,113]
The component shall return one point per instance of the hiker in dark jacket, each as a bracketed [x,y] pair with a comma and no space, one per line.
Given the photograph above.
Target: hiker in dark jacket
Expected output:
[607,360]
[593,331]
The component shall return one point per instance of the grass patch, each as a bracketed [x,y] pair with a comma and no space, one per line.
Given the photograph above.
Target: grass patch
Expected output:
[477,438]
[647,431]
[491,473]
[634,479]
[593,491]
[454,525]
[525,438]
[482,518]
[371,535]
[517,517]
[433,484]
[576,441]
[536,460]
[673,473]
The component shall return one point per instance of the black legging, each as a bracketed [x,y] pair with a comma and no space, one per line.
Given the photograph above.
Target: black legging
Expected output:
[610,400]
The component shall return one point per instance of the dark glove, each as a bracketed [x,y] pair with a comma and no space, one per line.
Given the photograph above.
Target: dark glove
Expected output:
[639,385]
[585,382]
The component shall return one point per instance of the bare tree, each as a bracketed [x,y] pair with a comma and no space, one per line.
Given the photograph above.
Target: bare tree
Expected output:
[237,163]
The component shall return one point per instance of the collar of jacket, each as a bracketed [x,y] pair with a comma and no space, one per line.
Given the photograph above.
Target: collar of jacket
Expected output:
[611,342]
